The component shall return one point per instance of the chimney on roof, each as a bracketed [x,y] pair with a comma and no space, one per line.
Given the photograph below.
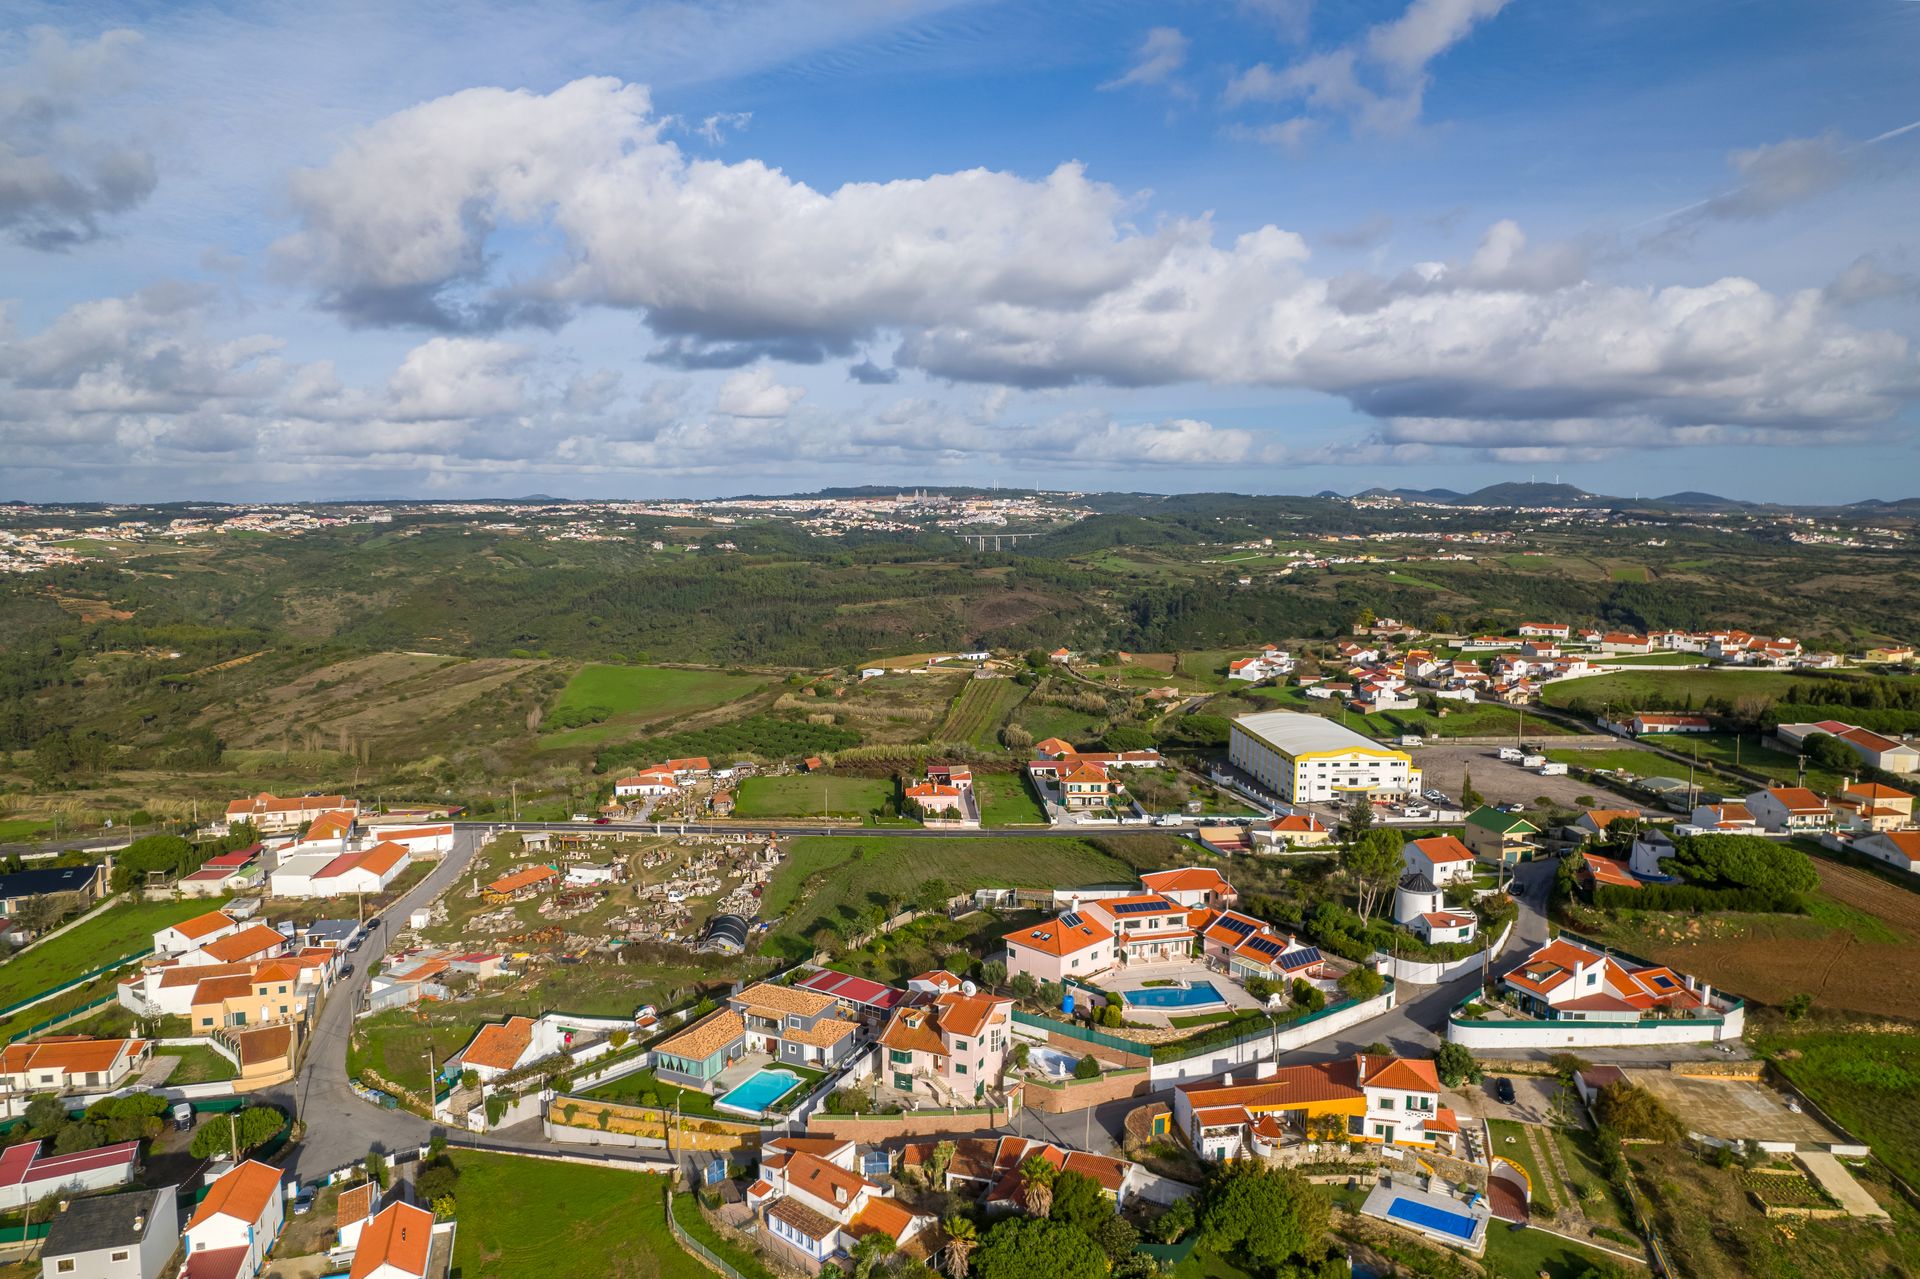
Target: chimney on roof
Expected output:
[1226,1080]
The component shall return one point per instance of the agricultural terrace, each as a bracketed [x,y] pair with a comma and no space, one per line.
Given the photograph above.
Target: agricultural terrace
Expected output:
[814,795]
[1854,949]
[517,1215]
[846,885]
[601,702]
[978,712]
[1713,1228]
[884,710]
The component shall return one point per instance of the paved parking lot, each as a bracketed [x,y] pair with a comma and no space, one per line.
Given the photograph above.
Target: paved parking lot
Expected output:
[1502,782]
[1532,1099]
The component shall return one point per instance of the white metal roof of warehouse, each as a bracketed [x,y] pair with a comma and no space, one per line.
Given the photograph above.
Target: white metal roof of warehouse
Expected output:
[1297,734]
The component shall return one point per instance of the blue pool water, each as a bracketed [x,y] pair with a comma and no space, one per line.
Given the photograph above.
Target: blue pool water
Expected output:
[754,1095]
[1201,992]
[1428,1217]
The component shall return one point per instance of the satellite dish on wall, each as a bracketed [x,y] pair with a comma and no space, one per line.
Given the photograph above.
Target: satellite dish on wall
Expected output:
[968,988]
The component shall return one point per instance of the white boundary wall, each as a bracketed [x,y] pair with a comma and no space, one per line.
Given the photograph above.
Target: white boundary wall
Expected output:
[1563,1034]
[1228,1056]
[1436,973]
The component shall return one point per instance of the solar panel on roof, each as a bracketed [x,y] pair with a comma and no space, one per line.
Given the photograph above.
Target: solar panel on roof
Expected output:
[1240,926]
[1304,957]
[1265,946]
[1071,919]
[1136,908]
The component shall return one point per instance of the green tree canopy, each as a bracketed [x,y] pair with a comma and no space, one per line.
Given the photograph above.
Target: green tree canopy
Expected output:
[1270,1216]
[1022,1247]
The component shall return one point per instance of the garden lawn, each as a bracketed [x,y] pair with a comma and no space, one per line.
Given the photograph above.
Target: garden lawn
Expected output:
[521,1218]
[1638,762]
[1719,748]
[1478,719]
[1517,1150]
[1525,1254]
[628,1090]
[198,1065]
[1007,800]
[124,929]
[836,882]
[811,795]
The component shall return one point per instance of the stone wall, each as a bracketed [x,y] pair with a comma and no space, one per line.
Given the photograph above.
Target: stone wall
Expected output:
[921,1123]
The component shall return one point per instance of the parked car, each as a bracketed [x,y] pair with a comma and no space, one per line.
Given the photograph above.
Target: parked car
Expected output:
[1503,1090]
[603,821]
[346,972]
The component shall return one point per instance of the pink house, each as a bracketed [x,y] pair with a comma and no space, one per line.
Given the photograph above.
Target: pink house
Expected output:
[953,1046]
[1074,945]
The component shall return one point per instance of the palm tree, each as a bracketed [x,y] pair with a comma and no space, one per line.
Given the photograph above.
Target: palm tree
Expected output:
[1036,1181]
[962,1238]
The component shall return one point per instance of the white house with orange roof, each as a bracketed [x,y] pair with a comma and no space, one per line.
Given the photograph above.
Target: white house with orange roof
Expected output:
[251,944]
[1293,830]
[1729,818]
[1567,994]
[234,1227]
[648,783]
[273,815]
[1875,749]
[817,1208]
[340,872]
[954,1045]
[399,1243]
[72,1063]
[1195,887]
[1441,859]
[1789,809]
[1899,849]
[1147,928]
[1368,1098]
[191,934]
[1420,907]
[1075,944]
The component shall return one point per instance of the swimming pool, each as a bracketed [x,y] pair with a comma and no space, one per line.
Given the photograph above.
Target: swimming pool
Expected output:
[1193,995]
[1428,1217]
[1052,1061]
[752,1096]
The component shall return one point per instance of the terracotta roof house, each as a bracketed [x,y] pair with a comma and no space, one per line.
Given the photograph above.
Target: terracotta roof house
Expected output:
[525,877]
[498,1048]
[953,1047]
[1443,859]
[70,1063]
[1076,944]
[235,1226]
[1192,887]
[817,1208]
[1789,808]
[1366,1098]
[396,1244]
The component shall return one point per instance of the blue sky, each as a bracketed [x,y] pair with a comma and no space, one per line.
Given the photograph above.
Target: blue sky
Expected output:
[285,250]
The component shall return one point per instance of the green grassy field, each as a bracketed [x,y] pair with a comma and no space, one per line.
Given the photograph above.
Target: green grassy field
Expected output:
[1007,800]
[633,695]
[198,1065]
[12,828]
[1719,748]
[1639,763]
[834,883]
[517,1216]
[633,1089]
[1669,688]
[1063,722]
[1868,1082]
[978,712]
[124,929]
[811,795]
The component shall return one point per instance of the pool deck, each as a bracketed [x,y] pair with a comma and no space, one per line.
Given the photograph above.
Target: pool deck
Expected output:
[1383,1196]
[1134,978]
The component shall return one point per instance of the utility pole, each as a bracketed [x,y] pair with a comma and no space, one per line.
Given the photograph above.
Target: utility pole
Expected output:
[433,1084]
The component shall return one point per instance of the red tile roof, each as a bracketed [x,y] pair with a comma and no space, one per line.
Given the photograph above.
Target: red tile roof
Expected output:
[242,1193]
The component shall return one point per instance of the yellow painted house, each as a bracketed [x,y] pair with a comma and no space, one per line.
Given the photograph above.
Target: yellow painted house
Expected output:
[1365,1098]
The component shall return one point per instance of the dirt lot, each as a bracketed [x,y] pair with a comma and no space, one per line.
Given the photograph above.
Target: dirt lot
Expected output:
[1869,965]
[1502,782]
